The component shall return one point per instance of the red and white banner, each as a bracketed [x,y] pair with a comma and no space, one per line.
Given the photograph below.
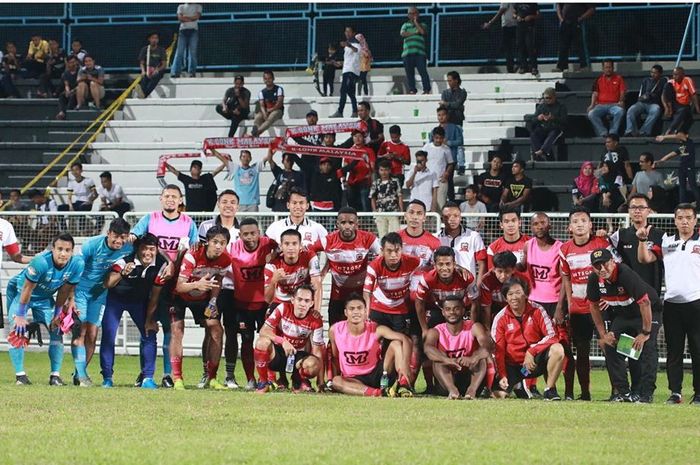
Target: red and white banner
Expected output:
[161,169]
[240,142]
[302,131]
[321,151]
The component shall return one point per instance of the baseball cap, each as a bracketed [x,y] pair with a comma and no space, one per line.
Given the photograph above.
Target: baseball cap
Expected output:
[600,256]
[324,159]
[312,113]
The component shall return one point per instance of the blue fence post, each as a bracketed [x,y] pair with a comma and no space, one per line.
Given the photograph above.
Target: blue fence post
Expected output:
[685,34]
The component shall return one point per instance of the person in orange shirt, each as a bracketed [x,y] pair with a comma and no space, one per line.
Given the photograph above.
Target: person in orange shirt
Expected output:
[676,99]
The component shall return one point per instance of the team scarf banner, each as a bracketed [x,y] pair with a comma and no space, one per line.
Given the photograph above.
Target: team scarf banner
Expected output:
[241,143]
[328,128]
[321,151]
[163,160]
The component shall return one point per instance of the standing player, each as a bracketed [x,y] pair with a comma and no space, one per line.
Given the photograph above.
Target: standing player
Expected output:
[170,227]
[198,285]
[244,309]
[357,353]
[347,253]
[99,253]
[56,270]
[282,342]
[298,205]
[134,284]
[458,349]
[8,242]
[512,240]
[575,259]
[491,301]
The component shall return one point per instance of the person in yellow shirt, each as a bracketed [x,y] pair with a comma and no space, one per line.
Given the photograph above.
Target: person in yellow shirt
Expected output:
[37,53]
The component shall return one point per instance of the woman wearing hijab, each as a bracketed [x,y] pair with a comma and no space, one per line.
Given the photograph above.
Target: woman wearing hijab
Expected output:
[585,190]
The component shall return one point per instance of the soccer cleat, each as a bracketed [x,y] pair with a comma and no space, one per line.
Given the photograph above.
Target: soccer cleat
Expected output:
[585,396]
[404,391]
[551,394]
[568,397]
[214,384]
[76,380]
[148,383]
[264,388]
[695,400]
[107,383]
[85,382]
[631,397]
[616,398]
[231,383]
[55,380]
[179,385]
[645,400]
[167,382]
[22,380]
[304,386]
[536,394]
[202,381]
[139,380]
[675,398]
[250,385]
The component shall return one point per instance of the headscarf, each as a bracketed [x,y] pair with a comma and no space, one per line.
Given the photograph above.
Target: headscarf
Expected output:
[587,185]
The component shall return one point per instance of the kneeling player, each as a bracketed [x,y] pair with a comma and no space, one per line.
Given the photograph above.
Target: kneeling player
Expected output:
[357,350]
[197,288]
[283,338]
[459,350]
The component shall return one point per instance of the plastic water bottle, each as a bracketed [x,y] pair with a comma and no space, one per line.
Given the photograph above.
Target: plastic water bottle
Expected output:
[290,364]
[525,372]
[384,382]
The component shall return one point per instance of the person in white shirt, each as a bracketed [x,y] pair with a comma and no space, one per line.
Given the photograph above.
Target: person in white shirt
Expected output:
[298,205]
[423,182]
[188,14]
[351,72]
[472,204]
[440,162]
[112,196]
[81,190]
[9,243]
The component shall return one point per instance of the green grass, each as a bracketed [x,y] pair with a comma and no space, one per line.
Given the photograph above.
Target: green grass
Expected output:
[43,425]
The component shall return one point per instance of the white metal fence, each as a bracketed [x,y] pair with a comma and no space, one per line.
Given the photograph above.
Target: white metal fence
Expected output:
[35,229]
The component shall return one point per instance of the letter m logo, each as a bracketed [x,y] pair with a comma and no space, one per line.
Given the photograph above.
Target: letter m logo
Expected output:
[356,358]
[541,273]
[168,243]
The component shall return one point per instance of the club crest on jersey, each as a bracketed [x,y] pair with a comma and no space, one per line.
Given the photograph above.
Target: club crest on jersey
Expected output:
[454,353]
[31,271]
[464,247]
[540,273]
[307,237]
[168,243]
[356,358]
[696,249]
[511,326]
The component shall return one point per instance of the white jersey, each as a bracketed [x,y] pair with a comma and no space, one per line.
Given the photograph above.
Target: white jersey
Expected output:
[310,230]
[8,241]
[469,249]
[681,268]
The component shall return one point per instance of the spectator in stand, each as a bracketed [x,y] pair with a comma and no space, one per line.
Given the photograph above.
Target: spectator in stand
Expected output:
[572,30]
[271,99]
[45,228]
[15,202]
[676,99]
[617,154]
[351,72]
[200,189]
[55,66]
[246,180]
[585,190]
[491,184]
[517,190]
[440,162]
[422,182]
[91,80]
[360,175]
[81,190]
[472,204]
[152,60]
[687,173]
[508,28]
[309,164]
[375,130]
[37,53]
[67,99]
[77,51]
[648,103]
[414,51]
[453,98]
[10,68]
[526,15]
[112,196]
[454,139]
[286,178]
[326,191]
[610,195]
[547,125]
[607,99]
[187,40]
[365,64]
[396,152]
[236,105]
[647,176]
[386,197]
[331,62]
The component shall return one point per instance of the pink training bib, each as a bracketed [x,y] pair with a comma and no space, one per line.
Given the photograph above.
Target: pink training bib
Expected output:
[358,355]
[461,345]
[169,232]
[543,267]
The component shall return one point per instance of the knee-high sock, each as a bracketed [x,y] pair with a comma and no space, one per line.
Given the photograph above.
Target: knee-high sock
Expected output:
[17,357]
[167,369]
[56,351]
[79,360]
[490,373]
[177,367]
[261,360]
[148,353]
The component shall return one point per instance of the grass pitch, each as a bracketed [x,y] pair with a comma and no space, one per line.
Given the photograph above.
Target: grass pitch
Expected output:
[124,425]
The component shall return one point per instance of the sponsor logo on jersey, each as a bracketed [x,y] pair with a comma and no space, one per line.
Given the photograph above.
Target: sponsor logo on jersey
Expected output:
[455,353]
[540,273]
[356,358]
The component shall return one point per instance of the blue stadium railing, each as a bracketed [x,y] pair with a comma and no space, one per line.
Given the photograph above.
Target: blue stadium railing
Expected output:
[286,35]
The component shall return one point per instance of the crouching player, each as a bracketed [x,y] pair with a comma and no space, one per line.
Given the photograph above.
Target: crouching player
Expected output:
[56,270]
[357,352]
[459,350]
[134,284]
[283,339]
[198,286]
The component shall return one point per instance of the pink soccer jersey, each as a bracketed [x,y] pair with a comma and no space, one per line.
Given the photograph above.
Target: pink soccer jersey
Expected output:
[543,268]
[461,345]
[170,232]
[357,355]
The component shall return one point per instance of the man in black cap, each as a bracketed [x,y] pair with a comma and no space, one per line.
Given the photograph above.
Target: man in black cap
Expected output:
[634,309]
[236,105]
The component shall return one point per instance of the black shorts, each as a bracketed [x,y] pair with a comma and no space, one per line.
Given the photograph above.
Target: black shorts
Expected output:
[434,317]
[549,307]
[395,322]
[462,380]
[581,327]
[177,312]
[413,323]
[336,311]
[514,374]
[229,314]
[373,379]
[251,320]
[279,361]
